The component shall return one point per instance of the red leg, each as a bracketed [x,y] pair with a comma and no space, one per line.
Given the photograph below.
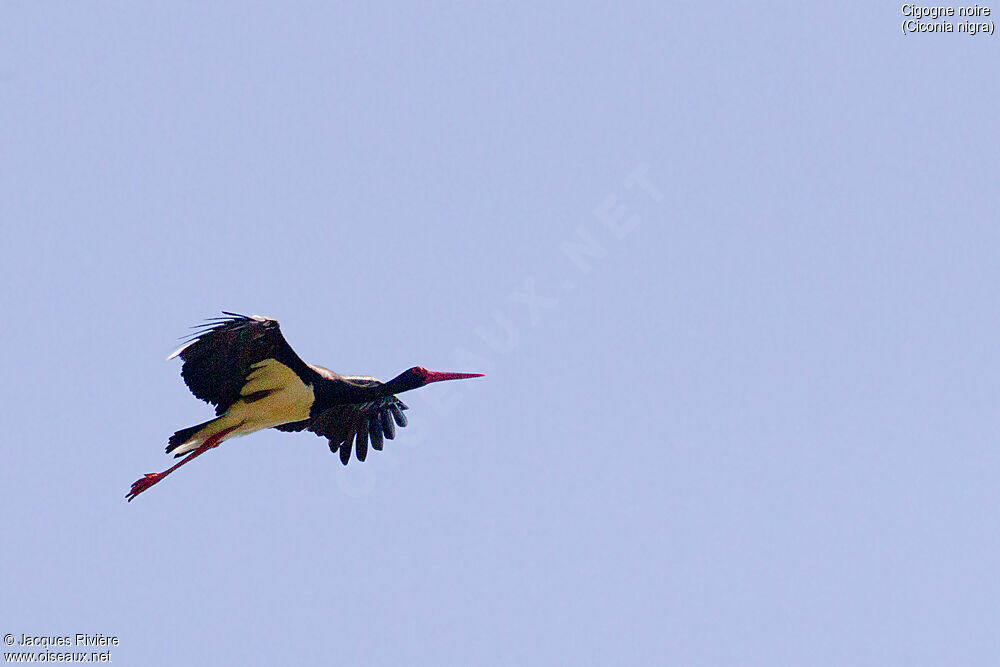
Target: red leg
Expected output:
[152,478]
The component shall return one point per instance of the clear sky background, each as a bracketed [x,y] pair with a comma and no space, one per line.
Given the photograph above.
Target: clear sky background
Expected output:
[731,269]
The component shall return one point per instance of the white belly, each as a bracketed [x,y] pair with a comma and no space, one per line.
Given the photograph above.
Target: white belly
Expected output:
[289,399]
[272,394]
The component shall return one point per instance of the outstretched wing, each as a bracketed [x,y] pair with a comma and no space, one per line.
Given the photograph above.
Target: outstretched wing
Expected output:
[355,423]
[220,357]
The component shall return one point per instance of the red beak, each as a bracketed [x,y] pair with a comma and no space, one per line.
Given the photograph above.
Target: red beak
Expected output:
[440,377]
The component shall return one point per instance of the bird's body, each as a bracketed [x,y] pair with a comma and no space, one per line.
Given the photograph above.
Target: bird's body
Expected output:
[244,367]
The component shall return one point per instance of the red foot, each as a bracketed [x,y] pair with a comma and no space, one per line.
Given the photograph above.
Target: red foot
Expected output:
[144,483]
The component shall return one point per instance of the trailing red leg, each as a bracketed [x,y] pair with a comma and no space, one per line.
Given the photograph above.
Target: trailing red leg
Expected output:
[151,478]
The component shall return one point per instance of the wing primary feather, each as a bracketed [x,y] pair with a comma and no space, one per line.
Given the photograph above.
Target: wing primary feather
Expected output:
[375,432]
[398,415]
[361,444]
[387,426]
[345,448]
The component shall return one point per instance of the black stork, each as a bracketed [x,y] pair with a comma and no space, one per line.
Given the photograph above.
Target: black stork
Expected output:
[244,367]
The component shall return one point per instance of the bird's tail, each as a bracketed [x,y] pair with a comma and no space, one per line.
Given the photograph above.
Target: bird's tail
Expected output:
[189,438]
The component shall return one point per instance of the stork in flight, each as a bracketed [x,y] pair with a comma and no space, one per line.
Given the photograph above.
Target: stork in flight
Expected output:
[244,367]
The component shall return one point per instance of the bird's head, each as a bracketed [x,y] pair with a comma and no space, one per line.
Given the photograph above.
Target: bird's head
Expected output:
[420,376]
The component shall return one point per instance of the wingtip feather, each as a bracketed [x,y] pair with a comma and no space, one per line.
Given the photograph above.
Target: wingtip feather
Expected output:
[178,351]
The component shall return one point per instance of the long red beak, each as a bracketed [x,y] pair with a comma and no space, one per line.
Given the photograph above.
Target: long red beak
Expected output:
[440,377]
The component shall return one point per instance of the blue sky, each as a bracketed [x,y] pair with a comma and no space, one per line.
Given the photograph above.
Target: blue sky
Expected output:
[730,269]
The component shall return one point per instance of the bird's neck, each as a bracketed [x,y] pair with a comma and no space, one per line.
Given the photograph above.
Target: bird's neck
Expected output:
[397,385]
[347,392]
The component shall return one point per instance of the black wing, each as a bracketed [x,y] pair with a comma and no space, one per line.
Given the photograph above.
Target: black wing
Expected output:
[355,423]
[218,359]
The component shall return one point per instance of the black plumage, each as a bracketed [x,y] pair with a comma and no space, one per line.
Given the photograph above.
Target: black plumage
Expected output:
[218,359]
